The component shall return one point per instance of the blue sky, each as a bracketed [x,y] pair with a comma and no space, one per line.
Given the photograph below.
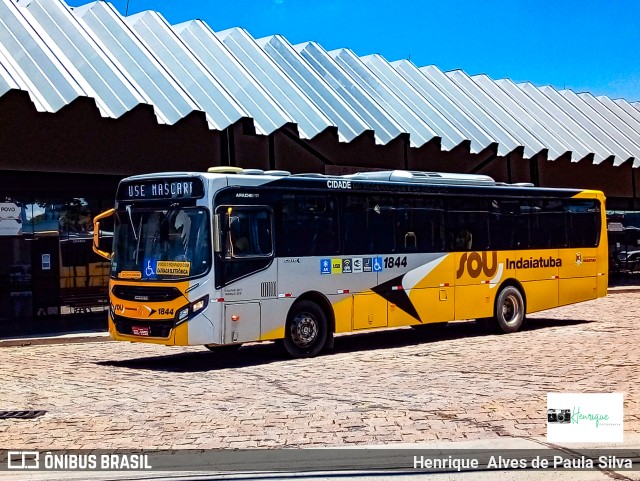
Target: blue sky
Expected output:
[583,45]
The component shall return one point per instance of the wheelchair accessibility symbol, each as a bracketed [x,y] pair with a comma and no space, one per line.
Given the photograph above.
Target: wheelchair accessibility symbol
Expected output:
[149,268]
[377,264]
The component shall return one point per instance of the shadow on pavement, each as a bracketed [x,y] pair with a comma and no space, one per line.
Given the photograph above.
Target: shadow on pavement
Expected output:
[269,352]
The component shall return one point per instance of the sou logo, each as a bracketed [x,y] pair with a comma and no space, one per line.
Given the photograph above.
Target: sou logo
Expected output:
[477,263]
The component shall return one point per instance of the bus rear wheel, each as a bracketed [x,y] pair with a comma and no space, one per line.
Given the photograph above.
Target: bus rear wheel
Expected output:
[305,330]
[509,310]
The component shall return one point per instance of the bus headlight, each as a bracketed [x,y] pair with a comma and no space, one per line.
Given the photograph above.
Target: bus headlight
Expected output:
[183,314]
[199,305]
[192,309]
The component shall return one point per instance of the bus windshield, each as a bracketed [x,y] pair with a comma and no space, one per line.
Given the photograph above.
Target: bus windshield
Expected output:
[161,244]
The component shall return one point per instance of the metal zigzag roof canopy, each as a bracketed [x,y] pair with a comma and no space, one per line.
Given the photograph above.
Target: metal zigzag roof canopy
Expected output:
[57,54]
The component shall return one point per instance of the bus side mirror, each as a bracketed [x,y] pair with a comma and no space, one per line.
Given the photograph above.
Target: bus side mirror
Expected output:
[217,233]
[96,233]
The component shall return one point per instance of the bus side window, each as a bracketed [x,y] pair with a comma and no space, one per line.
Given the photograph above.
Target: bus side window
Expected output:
[381,226]
[468,224]
[308,225]
[503,218]
[584,222]
[355,226]
[248,233]
[369,225]
[419,225]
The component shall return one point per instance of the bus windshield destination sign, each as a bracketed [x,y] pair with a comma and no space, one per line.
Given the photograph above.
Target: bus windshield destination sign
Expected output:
[181,188]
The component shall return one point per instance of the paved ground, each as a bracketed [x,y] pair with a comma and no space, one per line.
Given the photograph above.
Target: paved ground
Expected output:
[376,388]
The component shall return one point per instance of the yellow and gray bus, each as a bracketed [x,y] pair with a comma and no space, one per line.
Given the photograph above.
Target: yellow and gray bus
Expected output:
[233,256]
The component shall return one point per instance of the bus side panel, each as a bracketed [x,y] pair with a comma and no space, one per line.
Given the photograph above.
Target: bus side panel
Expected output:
[478,277]
[432,296]
[241,322]
[602,251]
[369,310]
[243,298]
[541,295]
[433,305]
[578,275]
[273,317]
[473,302]
[538,272]
[328,276]
[602,283]
[343,312]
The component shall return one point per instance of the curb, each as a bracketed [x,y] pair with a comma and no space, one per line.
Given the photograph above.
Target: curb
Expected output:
[623,290]
[68,339]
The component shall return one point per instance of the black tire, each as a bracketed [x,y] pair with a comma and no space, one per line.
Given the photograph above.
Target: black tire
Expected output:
[509,313]
[306,330]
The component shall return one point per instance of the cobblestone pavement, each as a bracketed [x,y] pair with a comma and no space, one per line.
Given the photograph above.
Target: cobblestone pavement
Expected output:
[394,386]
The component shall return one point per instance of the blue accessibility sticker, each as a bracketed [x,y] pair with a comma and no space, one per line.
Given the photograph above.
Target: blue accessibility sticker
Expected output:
[149,269]
[377,264]
[325,266]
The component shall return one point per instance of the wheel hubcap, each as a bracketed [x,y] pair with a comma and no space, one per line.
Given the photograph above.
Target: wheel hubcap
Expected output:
[511,310]
[304,330]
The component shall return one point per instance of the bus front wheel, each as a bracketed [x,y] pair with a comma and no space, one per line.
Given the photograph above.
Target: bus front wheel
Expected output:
[510,310]
[306,330]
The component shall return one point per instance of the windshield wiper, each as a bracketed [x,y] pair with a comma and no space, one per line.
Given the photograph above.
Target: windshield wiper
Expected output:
[133,228]
[136,235]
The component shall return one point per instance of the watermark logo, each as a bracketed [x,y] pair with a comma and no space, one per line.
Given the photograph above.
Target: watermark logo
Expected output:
[558,415]
[578,417]
[23,460]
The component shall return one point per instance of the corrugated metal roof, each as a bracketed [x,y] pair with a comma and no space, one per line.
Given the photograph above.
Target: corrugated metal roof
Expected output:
[623,143]
[501,114]
[433,83]
[430,104]
[541,120]
[568,122]
[310,120]
[349,123]
[429,115]
[268,116]
[136,59]
[58,54]
[586,122]
[7,81]
[200,84]
[33,60]
[384,125]
[420,132]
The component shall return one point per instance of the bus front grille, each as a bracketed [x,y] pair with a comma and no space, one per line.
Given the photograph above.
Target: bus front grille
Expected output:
[145,293]
[154,328]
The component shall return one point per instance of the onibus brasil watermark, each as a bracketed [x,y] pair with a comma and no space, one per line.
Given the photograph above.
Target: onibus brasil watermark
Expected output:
[37,460]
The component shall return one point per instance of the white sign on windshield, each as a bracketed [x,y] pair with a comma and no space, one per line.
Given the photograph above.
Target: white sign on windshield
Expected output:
[10,219]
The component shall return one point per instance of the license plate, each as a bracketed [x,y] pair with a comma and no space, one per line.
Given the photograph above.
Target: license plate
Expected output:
[140,331]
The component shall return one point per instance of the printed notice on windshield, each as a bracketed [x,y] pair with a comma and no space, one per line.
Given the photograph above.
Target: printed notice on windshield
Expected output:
[173,268]
[130,275]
